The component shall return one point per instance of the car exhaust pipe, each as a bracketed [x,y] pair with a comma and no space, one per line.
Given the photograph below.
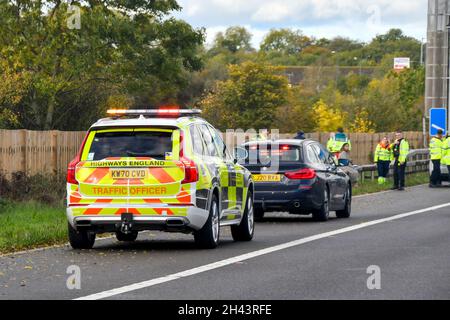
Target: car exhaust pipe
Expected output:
[83,224]
[296,204]
[175,223]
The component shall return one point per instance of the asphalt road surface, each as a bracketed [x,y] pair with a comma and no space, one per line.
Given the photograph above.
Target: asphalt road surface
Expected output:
[406,235]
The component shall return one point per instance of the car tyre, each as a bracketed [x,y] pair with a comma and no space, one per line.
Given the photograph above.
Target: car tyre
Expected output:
[323,213]
[346,212]
[130,237]
[208,236]
[81,239]
[258,214]
[246,229]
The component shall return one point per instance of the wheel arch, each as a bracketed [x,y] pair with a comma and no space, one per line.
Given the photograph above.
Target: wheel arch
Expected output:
[251,187]
[215,190]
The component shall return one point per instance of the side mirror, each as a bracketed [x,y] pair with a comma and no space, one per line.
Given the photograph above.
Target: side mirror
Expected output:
[240,154]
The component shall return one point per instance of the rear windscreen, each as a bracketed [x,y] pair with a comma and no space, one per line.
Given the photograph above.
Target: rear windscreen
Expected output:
[263,154]
[152,144]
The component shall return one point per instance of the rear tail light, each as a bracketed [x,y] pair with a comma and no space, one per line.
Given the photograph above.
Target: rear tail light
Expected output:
[190,171]
[73,164]
[303,174]
[190,168]
[71,171]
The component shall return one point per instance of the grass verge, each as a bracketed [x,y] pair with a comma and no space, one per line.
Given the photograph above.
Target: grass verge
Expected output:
[369,186]
[28,225]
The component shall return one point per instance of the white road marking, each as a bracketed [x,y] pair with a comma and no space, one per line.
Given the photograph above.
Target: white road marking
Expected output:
[250,255]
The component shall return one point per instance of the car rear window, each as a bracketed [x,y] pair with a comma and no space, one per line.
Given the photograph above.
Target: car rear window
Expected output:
[153,144]
[263,154]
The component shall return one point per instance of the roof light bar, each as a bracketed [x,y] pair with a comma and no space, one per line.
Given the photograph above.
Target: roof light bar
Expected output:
[154,112]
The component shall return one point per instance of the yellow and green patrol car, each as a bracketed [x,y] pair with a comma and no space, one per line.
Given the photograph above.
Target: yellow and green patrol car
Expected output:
[161,169]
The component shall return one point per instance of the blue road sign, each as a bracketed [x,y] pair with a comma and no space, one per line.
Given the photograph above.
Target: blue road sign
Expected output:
[438,120]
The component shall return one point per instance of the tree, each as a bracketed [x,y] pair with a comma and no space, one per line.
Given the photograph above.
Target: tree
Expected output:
[297,113]
[121,47]
[283,46]
[285,41]
[341,44]
[327,119]
[412,88]
[315,55]
[248,99]
[381,101]
[234,39]
[361,123]
[396,101]
[394,41]
[12,92]
[353,83]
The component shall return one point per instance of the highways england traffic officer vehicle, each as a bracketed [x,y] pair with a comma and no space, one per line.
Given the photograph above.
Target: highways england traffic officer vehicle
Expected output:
[164,169]
[299,177]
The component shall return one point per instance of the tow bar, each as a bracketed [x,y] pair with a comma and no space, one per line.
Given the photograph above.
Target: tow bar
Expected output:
[127,223]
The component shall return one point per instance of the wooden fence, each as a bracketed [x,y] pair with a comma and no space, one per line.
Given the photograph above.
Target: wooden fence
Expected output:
[35,152]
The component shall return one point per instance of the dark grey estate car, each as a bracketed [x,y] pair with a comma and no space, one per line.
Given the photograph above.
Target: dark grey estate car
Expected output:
[299,177]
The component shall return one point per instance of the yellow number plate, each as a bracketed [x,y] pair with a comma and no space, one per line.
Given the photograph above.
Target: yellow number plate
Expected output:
[129,173]
[267,178]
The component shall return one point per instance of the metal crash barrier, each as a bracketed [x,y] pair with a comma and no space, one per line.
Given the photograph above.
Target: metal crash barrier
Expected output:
[418,161]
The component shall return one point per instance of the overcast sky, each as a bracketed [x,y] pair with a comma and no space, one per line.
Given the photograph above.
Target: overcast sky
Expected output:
[356,19]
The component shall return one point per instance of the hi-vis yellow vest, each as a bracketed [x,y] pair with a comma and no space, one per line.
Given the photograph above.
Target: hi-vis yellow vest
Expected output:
[446,152]
[403,151]
[436,148]
[336,146]
[383,154]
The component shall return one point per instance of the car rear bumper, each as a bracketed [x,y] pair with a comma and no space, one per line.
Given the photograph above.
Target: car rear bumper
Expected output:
[292,201]
[193,219]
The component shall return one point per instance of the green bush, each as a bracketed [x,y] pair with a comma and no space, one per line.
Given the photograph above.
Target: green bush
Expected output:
[47,189]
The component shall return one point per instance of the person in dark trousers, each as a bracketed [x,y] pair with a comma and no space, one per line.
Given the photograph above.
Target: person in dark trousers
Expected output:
[436,145]
[300,136]
[383,158]
[400,150]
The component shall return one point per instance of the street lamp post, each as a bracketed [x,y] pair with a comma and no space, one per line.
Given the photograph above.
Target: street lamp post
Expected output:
[422,45]
[361,62]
